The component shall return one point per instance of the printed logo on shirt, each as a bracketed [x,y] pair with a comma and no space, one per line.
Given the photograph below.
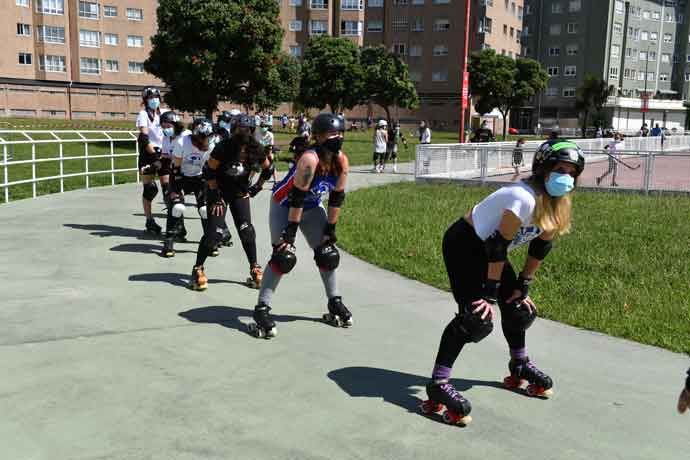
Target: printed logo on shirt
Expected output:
[525,235]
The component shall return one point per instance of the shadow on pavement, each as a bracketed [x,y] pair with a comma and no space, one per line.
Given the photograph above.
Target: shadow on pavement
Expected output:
[111,230]
[230,317]
[177,279]
[146,249]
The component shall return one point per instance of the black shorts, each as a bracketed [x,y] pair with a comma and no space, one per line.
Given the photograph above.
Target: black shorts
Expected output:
[146,159]
[192,186]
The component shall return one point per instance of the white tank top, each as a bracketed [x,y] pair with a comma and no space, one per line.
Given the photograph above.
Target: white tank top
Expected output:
[380,141]
[154,127]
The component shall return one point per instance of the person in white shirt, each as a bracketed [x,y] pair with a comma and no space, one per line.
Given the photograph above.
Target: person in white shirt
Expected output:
[267,137]
[424,133]
[150,162]
[475,252]
[380,145]
[612,151]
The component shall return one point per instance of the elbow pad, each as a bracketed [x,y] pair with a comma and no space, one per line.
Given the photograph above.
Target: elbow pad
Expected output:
[496,247]
[296,197]
[539,248]
[267,173]
[336,199]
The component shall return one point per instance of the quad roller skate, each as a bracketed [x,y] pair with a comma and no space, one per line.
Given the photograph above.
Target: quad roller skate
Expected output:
[199,281]
[168,248]
[215,252]
[255,277]
[441,393]
[152,228]
[523,371]
[263,327]
[338,315]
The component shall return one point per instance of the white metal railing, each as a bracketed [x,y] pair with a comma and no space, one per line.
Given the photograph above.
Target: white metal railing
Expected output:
[26,142]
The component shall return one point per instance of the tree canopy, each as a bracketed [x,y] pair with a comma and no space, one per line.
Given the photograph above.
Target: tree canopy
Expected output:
[590,99]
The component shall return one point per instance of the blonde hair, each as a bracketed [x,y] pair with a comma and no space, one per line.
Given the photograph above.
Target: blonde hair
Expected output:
[553,215]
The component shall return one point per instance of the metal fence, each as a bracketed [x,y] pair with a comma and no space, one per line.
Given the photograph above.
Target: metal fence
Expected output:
[24,149]
[637,167]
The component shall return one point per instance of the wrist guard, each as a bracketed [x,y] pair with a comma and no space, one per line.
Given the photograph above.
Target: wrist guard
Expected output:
[490,293]
[336,199]
[290,232]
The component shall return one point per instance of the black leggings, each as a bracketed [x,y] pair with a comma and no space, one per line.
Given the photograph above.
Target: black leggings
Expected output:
[241,215]
[466,263]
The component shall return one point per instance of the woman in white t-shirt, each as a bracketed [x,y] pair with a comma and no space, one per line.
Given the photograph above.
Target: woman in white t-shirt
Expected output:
[380,145]
[475,251]
[612,151]
[151,163]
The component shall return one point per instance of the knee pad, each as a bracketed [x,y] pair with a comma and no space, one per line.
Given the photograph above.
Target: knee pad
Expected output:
[517,315]
[203,212]
[247,233]
[327,257]
[178,210]
[283,261]
[472,325]
[150,191]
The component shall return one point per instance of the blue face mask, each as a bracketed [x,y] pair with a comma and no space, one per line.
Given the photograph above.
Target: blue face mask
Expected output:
[153,103]
[559,184]
[168,132]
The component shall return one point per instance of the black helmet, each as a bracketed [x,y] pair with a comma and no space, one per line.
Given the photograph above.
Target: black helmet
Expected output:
[225,116]
[170,117]
[244,121]
[201,127]
[150,91]
[555,150]
[326,123]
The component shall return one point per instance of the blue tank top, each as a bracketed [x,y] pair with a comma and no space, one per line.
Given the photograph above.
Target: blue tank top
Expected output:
[320,186]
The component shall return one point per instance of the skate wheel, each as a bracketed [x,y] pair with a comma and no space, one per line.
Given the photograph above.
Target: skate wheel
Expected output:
[511,382]
[537,391]
[455,418]
[348,323]
[272,333]
[429,407]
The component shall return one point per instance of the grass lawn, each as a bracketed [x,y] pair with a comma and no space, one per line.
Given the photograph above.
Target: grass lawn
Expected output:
[623,270]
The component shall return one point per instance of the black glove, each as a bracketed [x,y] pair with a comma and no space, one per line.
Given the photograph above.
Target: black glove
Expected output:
[254,190]
[177,174]
[290,233]
[329,232]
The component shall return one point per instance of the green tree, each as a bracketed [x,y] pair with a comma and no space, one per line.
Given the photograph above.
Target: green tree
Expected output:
[277,85]
[504,83]
[331,74]
[205,51]
[590,99]
[387,80]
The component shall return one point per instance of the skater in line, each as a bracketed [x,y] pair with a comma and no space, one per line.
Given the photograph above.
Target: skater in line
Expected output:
[475,251]
[518,158]
[228,171]
[424,133]
[151,160]
[612,149]
[189,155]
[380,145]
[296,204]
[395,136]
[684,398]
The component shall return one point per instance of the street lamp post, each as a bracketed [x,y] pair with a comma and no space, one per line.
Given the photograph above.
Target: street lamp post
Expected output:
[645,97]
[464,77]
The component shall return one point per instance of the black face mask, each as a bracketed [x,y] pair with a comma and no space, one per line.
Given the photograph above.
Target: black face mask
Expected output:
[334,144]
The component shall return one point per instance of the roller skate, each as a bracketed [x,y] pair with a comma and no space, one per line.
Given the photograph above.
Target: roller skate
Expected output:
[181,234]
[199,281]
[255,277]
[215,252]
[338,315]
[523,371]
[152,228]
[226,239]
[263,327]
[168,249]
[442,393]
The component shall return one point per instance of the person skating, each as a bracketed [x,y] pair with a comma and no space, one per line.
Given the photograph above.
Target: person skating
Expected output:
[380,145]
[612,151]
[684,398]
[475,252]
[296,204]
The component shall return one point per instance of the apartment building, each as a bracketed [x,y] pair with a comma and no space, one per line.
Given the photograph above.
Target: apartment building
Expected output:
[639,46]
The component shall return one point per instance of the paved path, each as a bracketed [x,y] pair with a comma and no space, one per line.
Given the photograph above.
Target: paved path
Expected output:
[105,355]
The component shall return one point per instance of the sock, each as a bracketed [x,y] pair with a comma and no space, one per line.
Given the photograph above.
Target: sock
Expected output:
[441,372]
[518,353]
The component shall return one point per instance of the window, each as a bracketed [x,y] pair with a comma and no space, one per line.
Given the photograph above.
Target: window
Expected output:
[89,38]
[109,11]
[50,6]
[646,14]
[374,26]
[512,31]
[618,28]
[135,67]
[652,55]
[399,2]
[570,71]
[555,51]
[556,8]
[555,29]
[573,27]
[441,25]
[135,41]
[352,5]
[418,2]
[630,53]
[552,71]
[644,35]
[112,65]
[24,3]
[318,27]
[135,14]
[551,92]
[629,74]
[666,58]
[441,50]
[439,75]
[51,34]
[643,55]
[295,3]
[400,24]
[574,6]
[415,76]
[25,58]
[375,3]
[656,15]
[400,49]
[668,38]
[440,2]
[680,18]
[88,10]
[620,8]
[351,28]
[668,17]
[90,66]
[418,25]
[111,39]
[687,76]
[23,30]
[295,51]
[651,76]
[640,76]
[615,51]
[572,49]
[613,72]
[416,50]
[520,13]
[50,63]
[653,36]
[295,26]
[568,92]
[663,77]
[485,25]
[318,4]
